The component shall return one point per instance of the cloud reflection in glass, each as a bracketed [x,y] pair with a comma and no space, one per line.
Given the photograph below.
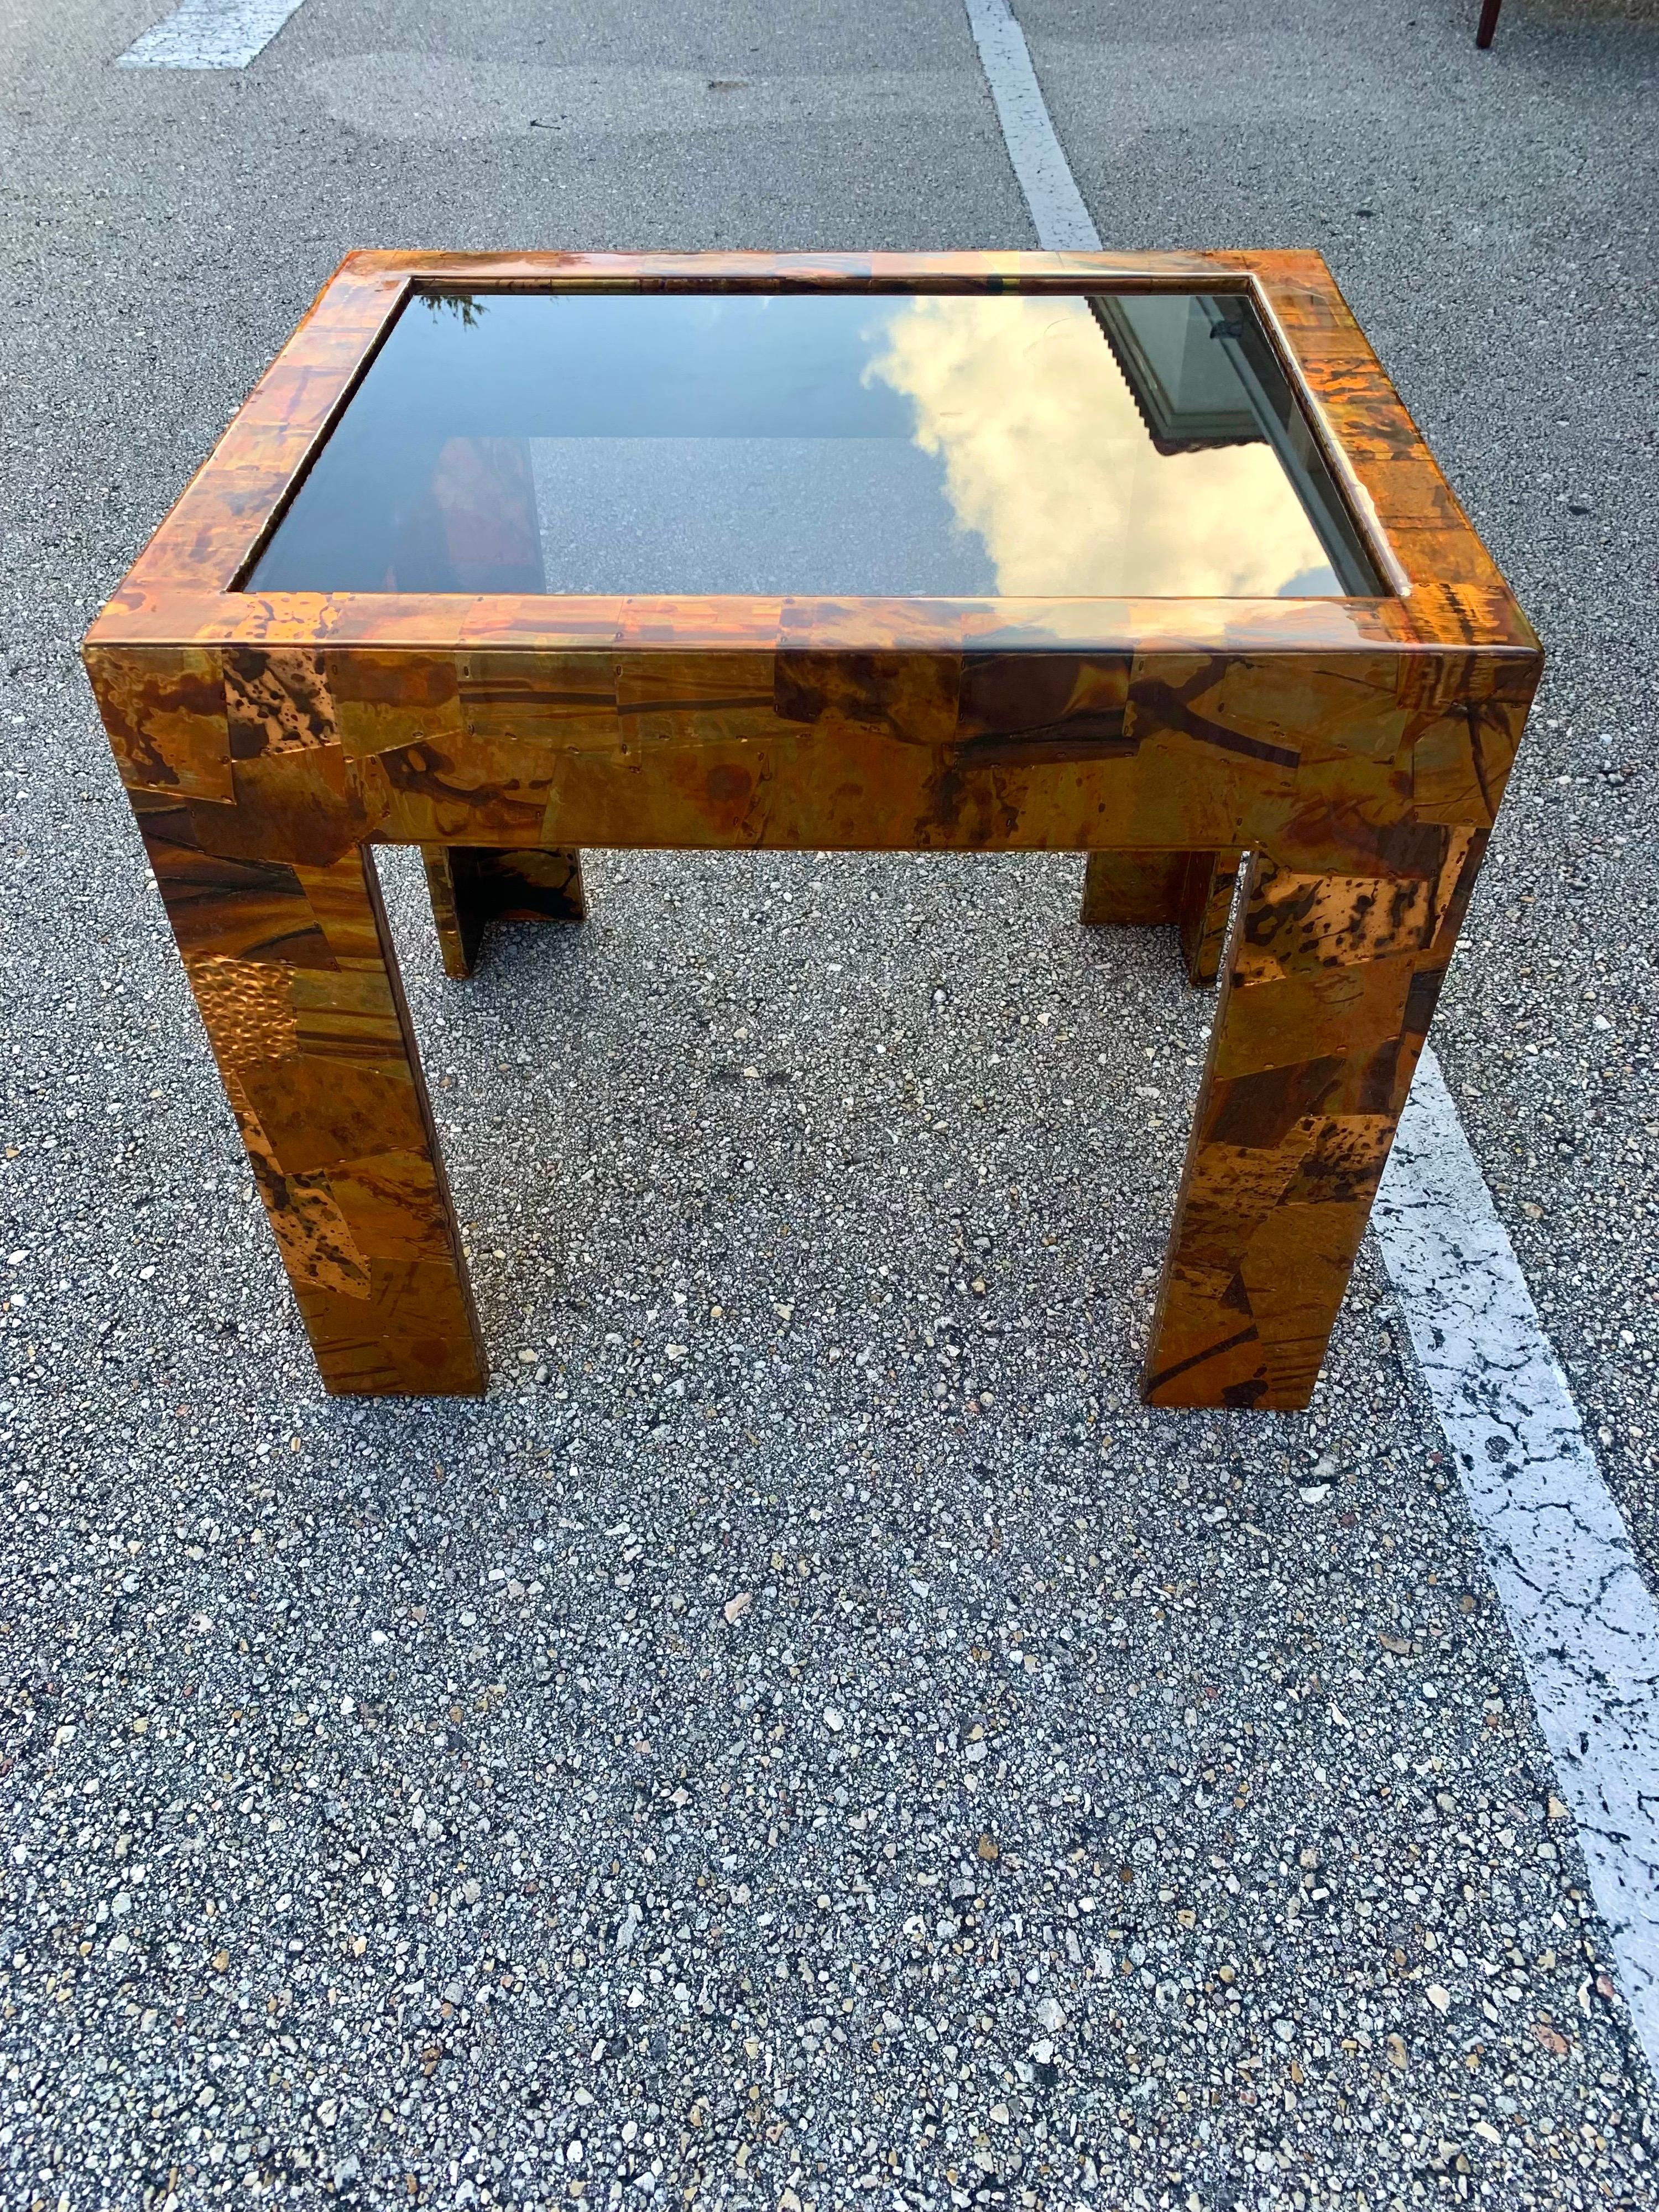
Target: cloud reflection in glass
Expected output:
[1049,458]
[808,443]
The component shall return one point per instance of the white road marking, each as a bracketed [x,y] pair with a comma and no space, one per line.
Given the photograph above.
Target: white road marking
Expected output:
[209,34]
[1583,1618]
[1583,1621]
[1063,223]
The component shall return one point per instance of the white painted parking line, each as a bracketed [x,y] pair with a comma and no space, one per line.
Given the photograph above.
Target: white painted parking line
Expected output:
[1062,221]
[1583,1621]
[209,34]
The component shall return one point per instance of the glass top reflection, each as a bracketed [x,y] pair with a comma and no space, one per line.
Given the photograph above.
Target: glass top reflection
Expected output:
[806,444]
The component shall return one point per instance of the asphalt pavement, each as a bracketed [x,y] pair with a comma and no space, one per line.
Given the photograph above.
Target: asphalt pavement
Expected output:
[810,1738]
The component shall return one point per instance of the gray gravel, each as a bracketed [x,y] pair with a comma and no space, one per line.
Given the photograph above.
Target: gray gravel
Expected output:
[809,1737]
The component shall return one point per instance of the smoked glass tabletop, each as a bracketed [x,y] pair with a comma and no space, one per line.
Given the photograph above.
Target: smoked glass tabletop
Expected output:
[1111,445]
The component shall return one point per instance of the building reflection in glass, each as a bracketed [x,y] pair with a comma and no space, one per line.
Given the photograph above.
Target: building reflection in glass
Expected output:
[843,445]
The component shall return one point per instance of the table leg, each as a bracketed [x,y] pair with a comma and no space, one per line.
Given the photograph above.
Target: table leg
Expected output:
[296,981]
[1488,23]
[1194,891]
[472,886]
[1330,985]
[1132,890]
[1206,899]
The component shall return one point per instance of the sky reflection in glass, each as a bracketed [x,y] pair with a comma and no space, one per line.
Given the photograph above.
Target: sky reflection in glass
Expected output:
[814,444]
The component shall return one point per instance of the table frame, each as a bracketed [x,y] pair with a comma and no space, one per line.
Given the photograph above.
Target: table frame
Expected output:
[1356,749]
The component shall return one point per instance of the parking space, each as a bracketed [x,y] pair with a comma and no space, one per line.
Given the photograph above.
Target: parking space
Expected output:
[811,1736]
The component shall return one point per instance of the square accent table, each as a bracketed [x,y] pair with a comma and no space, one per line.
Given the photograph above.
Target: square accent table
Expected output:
[1137,556]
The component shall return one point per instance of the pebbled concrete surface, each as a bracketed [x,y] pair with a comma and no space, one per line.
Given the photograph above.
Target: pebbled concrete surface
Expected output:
[809,1734]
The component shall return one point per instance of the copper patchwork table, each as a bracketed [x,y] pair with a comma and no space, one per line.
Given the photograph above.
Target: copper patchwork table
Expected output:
[1135,556]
